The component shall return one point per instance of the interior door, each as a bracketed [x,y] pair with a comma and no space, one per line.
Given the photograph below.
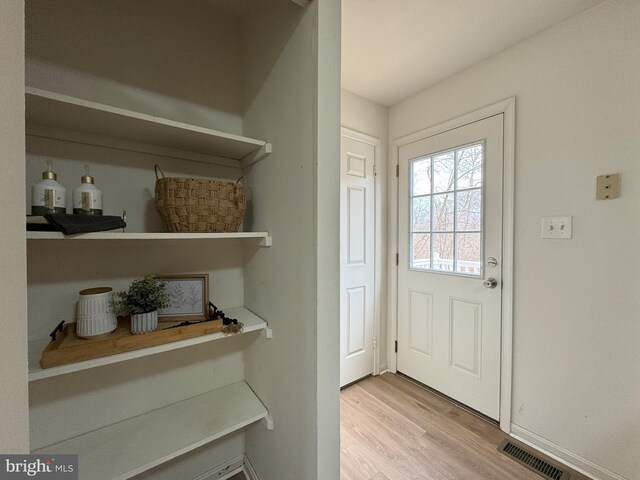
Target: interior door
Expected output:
[357,219]
[449,268]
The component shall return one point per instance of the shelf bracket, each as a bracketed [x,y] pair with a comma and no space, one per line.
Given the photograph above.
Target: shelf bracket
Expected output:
[268,331]
[255,156]
[266,242]
[269,421]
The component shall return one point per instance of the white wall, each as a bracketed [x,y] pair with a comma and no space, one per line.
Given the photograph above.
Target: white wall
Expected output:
[14,434]
[365,116]
[576,378]
[282,283]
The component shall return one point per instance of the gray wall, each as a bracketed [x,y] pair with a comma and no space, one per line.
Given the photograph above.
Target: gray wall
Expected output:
[14,434]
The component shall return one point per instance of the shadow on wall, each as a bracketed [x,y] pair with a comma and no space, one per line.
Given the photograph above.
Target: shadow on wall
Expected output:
[189,53]
[285,16]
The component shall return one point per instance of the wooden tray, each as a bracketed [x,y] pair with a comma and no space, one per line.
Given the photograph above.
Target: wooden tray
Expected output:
[69,348]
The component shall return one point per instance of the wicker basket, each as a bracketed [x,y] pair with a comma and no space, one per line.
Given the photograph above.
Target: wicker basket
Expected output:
[199,205]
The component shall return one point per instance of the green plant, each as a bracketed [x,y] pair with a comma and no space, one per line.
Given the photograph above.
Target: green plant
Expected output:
[144,295]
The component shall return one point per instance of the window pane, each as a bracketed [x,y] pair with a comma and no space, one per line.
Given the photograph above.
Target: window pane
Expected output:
[421,214]
[421,177]
[443,168]
[442,259]
[468,208]
[470,167]
[421,250]
[443,212]
[468,254]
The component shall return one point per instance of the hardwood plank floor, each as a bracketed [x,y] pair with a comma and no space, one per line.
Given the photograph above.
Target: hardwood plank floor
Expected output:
[392,429]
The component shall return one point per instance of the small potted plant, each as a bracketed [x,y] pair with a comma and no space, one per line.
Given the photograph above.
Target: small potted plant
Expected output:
[142,301]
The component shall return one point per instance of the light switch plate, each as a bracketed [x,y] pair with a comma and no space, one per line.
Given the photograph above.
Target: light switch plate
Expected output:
[608,186]
[557,227]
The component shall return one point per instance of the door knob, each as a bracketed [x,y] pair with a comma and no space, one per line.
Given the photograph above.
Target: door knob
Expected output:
[490,283]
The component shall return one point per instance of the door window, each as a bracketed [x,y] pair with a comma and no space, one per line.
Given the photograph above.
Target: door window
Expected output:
[446,211]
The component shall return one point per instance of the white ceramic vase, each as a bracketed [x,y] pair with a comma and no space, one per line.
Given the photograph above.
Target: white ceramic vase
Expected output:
[144,322]
[95,313]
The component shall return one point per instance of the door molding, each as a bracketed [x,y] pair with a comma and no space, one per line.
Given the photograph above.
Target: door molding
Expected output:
[508,109]
[377,229]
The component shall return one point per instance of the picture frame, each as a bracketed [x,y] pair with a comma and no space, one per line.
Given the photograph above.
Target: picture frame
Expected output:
[189,297]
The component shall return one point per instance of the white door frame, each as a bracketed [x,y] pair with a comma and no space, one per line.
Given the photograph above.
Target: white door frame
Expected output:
[508,109]
[377,254]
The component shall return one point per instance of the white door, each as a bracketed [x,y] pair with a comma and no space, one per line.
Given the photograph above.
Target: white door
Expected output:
[357,219]
[449,268]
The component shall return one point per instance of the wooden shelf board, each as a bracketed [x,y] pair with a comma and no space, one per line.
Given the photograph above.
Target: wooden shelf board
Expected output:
[251,322]
[132,446]
[146,236]
[62,111]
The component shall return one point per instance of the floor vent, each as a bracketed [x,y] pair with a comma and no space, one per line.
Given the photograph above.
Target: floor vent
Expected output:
[532,462]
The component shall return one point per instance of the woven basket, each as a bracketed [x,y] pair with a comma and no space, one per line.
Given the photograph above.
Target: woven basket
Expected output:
[199,205]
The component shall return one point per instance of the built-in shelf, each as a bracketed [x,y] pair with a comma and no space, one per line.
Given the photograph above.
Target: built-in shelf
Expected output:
[65,113]
[261,238]
[132,446]
[251,323]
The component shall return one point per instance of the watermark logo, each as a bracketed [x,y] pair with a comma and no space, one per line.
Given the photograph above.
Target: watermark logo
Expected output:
[49,467]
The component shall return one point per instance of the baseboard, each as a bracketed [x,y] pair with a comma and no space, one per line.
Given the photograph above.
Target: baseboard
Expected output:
[249,472]
[568,458]
[224,471]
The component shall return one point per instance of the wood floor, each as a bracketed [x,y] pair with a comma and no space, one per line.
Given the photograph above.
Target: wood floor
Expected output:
[392,429]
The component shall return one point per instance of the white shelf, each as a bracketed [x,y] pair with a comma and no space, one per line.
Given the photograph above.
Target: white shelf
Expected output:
[137,444]
[70,113]
[263,238]
[251,322]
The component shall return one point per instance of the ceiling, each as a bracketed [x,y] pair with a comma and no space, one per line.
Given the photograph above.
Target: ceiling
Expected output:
[392,49]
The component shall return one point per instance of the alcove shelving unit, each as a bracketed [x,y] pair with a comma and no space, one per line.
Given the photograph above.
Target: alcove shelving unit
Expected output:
[134,445]
[201,89]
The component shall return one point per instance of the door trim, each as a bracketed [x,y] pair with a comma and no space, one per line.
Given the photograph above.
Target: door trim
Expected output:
[508,109]
[377,235]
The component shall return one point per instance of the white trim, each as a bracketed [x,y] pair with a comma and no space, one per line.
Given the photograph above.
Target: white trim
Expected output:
[508,216]
[506,108]
[376,144]
[560,454]
[392,247]
[249,471]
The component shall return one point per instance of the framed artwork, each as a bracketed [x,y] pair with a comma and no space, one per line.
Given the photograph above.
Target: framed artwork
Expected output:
[189,297]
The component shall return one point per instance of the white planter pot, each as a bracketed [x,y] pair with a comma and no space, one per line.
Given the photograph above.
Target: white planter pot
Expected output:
[144,322]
